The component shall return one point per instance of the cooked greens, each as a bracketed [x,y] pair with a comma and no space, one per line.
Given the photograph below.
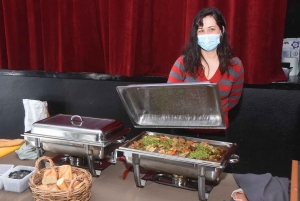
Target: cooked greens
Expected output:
[178,146]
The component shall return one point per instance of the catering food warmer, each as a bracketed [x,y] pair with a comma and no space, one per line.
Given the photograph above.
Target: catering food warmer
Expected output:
[177,165]
[180,105]
[78,138]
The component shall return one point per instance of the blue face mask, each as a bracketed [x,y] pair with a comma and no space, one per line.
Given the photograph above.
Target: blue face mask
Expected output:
[209,42]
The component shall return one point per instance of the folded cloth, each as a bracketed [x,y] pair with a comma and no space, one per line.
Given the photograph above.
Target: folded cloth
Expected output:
[7,150]
[11,142]
[27,151]
[263,187]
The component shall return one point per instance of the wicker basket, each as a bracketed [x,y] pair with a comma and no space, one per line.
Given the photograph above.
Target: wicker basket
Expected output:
[82,193]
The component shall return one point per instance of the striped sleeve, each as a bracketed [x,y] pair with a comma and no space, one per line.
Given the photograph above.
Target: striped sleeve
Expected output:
[177,71]
[238,73]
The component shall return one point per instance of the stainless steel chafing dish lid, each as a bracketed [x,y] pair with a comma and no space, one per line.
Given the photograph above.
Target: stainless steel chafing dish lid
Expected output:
[176,105]
[76,128]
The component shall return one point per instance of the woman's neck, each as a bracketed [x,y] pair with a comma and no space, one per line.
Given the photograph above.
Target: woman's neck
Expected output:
[210,55]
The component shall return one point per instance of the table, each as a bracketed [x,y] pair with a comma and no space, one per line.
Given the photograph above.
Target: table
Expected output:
[110,186]
[294,192]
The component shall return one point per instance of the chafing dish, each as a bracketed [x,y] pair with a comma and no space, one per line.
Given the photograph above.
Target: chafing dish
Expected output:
[93,138]
[192,168]
[180,105]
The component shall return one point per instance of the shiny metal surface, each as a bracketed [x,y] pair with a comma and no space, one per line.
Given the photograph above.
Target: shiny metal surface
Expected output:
[179,180]
[77,148]
[176,105]
[77,128]
[76,160]
[176,164]
[77,136]
[117,138]
[87,137]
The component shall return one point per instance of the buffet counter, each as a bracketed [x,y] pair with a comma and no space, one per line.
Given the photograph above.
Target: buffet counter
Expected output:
[110,186]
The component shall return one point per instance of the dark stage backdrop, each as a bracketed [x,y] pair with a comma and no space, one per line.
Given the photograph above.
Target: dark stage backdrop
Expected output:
[133,37]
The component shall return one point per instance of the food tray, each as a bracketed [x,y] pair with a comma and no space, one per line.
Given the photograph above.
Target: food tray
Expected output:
[231,147]
[201,170]
[176,105]
[3,169]
[74,128]
[179,146]
[17,185]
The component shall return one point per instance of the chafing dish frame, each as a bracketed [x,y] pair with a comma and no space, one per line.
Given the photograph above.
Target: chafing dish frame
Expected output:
[148,108]
[89,149]
[201,169]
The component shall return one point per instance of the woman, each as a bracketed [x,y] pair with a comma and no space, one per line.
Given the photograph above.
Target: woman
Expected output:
[208,57]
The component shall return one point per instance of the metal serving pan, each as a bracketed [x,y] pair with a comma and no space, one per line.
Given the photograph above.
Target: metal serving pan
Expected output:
[176,105]
[87,130]
[180,165]
[78,136]
[199,169]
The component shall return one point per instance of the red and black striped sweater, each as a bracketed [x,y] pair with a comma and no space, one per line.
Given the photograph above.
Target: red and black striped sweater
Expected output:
[230,86]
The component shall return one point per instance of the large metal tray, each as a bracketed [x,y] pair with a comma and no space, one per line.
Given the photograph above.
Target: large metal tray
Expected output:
[84,130]
[78,136]
[176,105]
[199,169]
[230,147]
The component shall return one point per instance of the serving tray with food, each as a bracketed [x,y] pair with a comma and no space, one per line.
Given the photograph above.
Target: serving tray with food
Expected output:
[90,138]
[179,146]
[180,105]
[194,158]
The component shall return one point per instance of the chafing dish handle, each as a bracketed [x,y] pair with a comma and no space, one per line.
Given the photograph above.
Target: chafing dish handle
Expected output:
[74,122]
[201,183]
[74,116]
[234,158]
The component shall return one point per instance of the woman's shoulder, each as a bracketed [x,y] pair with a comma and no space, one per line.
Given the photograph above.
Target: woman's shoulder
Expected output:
[179,62]
[236,61]
[236,65]
[180,58]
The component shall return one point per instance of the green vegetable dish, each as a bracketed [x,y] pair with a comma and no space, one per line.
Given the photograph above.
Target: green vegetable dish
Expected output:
[178,146]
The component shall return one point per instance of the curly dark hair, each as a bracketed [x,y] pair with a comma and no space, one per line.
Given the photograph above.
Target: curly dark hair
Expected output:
[192,51]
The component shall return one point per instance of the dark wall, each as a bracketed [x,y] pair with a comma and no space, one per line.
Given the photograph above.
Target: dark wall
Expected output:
[266,123]
[292,21]
[90,98]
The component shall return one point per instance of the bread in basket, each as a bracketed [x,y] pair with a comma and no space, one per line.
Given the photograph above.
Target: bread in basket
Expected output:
[45,187]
